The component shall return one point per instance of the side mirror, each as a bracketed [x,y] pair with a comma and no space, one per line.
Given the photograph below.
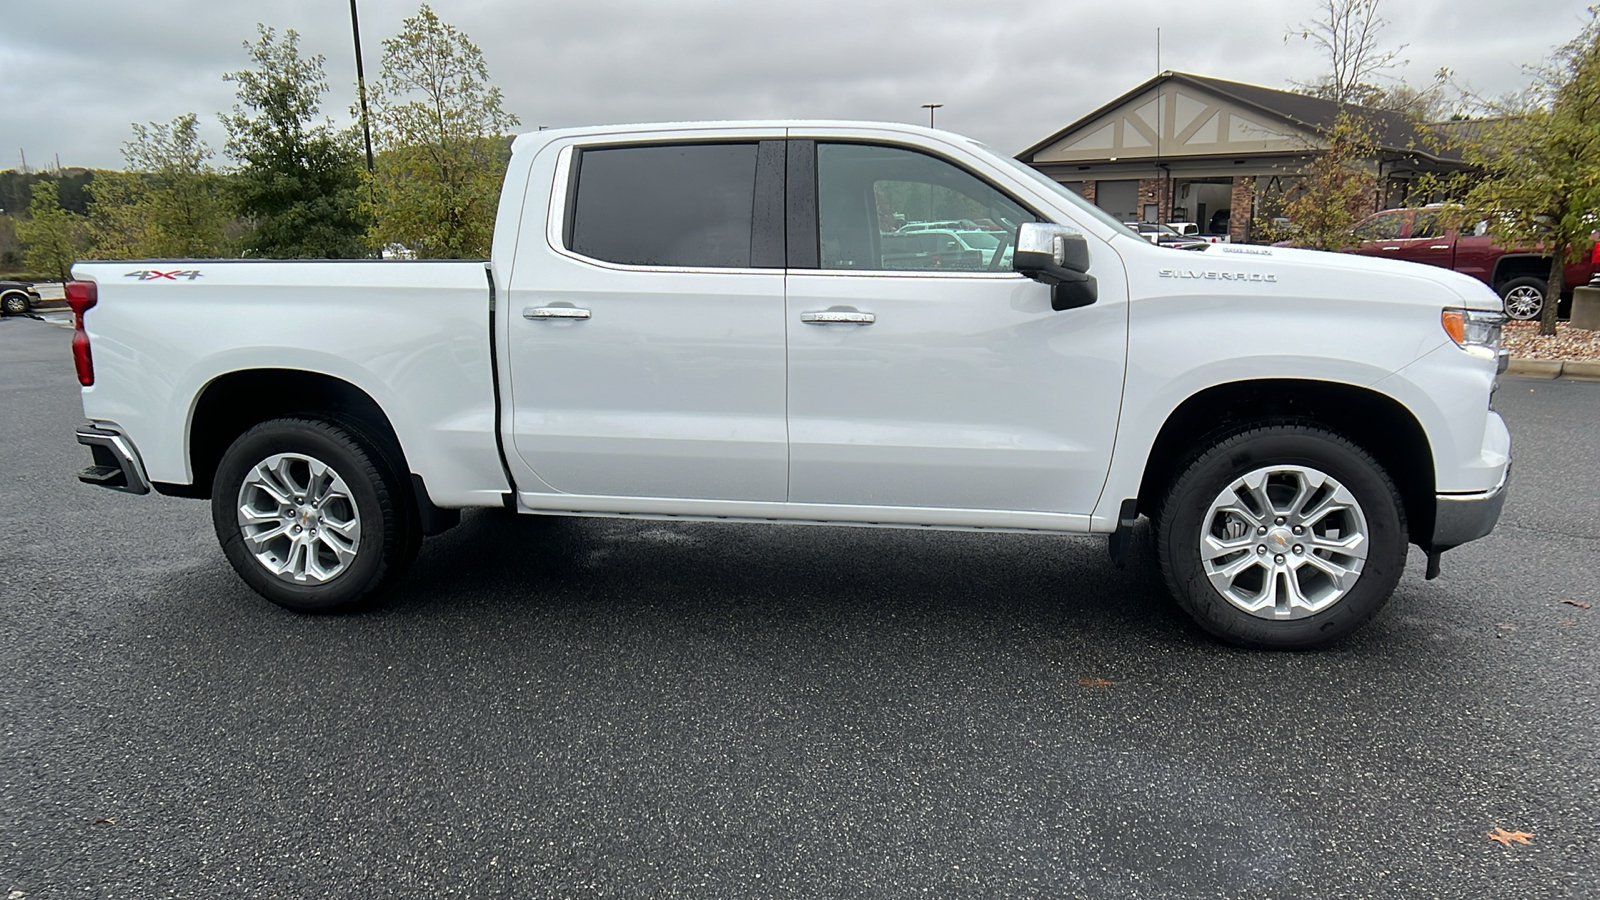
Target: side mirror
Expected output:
[1057,256]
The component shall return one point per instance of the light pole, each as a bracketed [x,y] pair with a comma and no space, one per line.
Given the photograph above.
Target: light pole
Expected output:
[361,84]
[930,107]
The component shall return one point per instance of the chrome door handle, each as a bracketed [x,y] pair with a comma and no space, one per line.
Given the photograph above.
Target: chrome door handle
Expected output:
[837,317]
[1440,247]
[555,312]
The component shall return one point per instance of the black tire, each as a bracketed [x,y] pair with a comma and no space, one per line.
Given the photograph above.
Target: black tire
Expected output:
[15,303]
[1184,513]
[1523,298]
[373,495]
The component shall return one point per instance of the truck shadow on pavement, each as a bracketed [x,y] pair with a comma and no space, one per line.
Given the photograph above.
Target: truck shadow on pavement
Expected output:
[785,572]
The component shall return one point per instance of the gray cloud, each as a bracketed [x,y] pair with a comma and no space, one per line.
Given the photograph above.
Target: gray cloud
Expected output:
[75,73]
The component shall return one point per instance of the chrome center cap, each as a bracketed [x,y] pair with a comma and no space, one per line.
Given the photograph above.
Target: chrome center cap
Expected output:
[308,516]
[1279,540]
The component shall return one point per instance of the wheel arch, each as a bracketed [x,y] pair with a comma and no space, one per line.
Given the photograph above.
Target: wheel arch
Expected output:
[1519,265]
[1375,421]
[232,403]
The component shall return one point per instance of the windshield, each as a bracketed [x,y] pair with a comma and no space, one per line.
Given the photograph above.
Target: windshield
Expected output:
[1058,190]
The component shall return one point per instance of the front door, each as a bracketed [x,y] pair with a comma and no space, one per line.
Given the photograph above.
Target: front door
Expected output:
[920,378]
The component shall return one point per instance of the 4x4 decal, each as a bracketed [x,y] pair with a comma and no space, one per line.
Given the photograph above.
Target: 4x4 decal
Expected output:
[174,275]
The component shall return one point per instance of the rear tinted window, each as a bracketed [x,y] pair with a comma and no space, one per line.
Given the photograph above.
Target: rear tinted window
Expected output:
[686,205]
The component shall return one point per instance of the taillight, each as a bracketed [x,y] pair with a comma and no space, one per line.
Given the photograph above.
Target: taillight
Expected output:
[82,296]
[1594,254]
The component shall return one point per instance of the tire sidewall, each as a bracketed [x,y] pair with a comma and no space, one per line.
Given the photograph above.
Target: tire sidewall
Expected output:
[341,452]
[1184,511]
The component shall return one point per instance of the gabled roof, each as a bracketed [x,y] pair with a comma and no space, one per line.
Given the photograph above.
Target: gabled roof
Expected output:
[1395,132]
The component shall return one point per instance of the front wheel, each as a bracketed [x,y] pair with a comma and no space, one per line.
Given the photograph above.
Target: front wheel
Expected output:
[1523,297]
[15,303]
[1285,536]
[311,515]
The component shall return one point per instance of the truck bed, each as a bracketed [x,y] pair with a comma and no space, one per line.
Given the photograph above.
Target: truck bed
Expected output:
[413,335]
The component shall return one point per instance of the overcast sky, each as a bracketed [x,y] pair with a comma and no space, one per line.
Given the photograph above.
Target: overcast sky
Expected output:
[75,73]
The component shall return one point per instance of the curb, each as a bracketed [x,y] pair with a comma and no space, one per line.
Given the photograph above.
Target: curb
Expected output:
[1554,368]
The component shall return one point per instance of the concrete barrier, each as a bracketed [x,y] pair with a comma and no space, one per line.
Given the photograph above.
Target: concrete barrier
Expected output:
[1586,308]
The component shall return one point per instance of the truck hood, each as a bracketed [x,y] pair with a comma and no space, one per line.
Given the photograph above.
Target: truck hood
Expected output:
[1336,269]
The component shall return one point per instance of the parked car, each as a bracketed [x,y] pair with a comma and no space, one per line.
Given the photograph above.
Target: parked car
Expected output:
[1162,236]
[983,243]
[1192,230]
[696,322]
[17,297]
[927,250]
[1520,275]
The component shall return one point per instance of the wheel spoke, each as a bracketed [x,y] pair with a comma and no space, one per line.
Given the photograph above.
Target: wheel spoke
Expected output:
[1212,547]
[1294,598]
[260,539]
[1308,483]
[1233,570]
[1343,577]
[267,481]
[1258,491]
[1354,545]
[1242,511]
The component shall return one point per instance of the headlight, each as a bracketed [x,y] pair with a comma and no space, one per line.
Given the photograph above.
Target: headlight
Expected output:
[1475,331]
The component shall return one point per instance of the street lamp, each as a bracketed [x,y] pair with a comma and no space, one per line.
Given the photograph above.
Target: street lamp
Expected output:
[361,84]
[930,107]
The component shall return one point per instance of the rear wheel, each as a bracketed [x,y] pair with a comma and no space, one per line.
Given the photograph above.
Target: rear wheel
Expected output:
[311,515]
[1523,297]
[1285,536]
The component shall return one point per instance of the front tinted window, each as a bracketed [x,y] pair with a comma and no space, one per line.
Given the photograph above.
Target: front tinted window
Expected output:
[1381,227]
[888,208]
[1426,225]
[684,205]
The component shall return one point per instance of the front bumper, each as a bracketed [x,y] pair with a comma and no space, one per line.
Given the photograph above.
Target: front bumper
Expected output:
[116,462]
[1459,518]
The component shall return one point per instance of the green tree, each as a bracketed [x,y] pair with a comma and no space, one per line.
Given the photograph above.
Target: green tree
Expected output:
[174,203]
[50,235]
[120,225]
[1334,191]
[1541,157]
[299,181]
[170,204]
[440,129]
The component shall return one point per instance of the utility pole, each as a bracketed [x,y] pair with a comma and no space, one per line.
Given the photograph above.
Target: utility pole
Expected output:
[930,107]
[361,84]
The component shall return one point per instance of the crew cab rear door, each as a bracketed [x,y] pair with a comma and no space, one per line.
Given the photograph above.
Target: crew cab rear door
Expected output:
[646,322]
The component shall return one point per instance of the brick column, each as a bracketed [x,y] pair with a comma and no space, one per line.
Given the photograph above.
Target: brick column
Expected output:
[1241,207]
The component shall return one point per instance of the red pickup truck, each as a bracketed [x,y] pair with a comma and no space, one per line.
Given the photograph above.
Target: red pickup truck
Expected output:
[1519,276]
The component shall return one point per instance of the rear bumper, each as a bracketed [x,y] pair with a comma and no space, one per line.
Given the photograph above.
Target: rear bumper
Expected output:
[1459,518]
[116,464]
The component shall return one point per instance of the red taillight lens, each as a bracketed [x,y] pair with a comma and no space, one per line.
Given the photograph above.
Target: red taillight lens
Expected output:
[1594,254]
[82,296]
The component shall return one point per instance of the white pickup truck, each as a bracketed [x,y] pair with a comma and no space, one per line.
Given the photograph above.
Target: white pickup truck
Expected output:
[701,322]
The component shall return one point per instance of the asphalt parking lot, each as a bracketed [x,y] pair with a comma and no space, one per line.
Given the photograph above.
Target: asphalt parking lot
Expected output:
[604,708]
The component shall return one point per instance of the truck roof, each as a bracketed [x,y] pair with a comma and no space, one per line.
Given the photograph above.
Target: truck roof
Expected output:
[539,138]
